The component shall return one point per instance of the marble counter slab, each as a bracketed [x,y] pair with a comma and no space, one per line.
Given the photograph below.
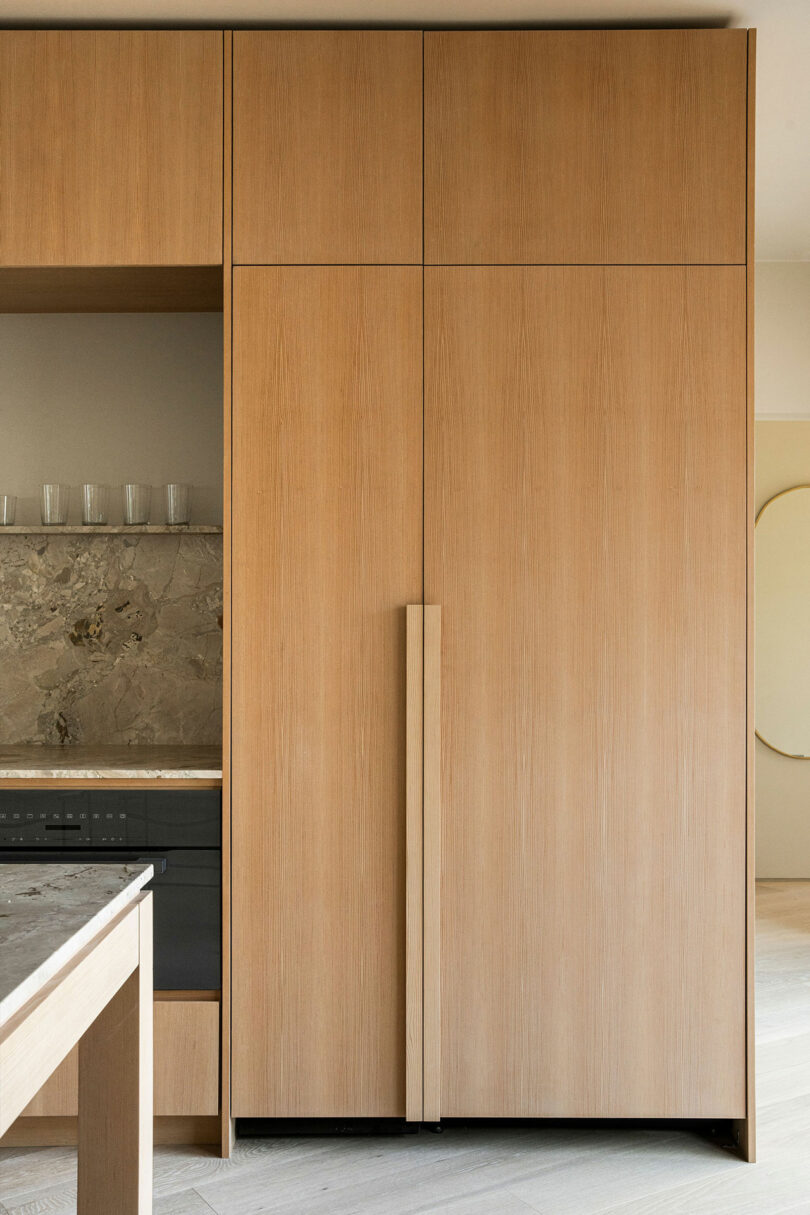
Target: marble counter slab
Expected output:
[135,762]
[48,913]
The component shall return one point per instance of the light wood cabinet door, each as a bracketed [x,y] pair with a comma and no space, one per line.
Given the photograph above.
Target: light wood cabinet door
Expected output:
[585,536]
[327,552]
[585,146]
[110,147]
[327,146]
[186,1037]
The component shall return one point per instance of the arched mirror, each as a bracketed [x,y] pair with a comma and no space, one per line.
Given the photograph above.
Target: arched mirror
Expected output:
[782,556]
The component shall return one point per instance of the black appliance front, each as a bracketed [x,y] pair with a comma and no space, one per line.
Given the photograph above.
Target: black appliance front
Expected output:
[178,831]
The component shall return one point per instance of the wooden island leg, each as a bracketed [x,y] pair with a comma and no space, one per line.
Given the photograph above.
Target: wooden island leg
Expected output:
[115,1095]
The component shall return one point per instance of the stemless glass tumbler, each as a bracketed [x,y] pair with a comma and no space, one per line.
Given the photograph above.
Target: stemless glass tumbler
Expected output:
[95,500]
[8,510]
[53,503]
[136,503]
[178,503]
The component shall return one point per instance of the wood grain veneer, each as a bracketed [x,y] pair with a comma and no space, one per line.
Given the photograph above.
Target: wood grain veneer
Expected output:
[328,146]
[186,1048]
[585,146]
[114,1121]
[585,514]
[327,552]
[414,851]
[110,147]
[186,1057]
[432,865]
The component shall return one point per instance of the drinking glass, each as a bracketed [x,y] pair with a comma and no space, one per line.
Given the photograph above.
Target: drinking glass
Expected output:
[8,509]
[53,503]
[136,503]
[95,500]
[178,503]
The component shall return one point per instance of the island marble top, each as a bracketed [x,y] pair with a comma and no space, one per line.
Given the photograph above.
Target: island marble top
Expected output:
[135,762]
[48,913]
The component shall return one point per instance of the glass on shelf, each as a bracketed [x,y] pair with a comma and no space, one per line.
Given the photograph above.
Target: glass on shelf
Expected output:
[137,499]
[53,504]
[8,510]
[178,504]
[95,502]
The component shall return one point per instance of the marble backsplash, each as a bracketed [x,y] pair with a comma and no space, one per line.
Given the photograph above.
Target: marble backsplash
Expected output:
[110,639]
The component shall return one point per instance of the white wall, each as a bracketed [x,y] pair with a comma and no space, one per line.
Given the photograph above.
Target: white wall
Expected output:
[782,391]
[112,398]
[782,340]
[782,784]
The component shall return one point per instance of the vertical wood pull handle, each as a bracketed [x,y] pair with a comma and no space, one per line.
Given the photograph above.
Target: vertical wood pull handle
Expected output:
[432,864]
[414,744]
[423,864]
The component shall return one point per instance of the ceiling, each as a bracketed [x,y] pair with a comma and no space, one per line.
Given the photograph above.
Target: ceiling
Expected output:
[783,48]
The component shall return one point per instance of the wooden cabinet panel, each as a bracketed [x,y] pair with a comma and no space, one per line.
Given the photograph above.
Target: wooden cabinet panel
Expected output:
[186,1044]
[327,146]
[585,515]
[585,146]
[327,551]
[186,1057]
[110,147]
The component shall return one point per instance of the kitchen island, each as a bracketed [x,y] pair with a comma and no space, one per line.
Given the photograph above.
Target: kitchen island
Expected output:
[76,966]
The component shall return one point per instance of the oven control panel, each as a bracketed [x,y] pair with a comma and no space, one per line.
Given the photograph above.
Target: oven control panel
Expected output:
[63,828]
[114,818]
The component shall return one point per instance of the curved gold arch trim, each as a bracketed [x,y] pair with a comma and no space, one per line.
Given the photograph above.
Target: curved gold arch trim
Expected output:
[771,747]
[791,490]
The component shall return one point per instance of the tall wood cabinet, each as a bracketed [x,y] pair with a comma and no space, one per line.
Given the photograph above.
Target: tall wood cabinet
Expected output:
[496,863]
[488,539]
[327,550]
[585,507]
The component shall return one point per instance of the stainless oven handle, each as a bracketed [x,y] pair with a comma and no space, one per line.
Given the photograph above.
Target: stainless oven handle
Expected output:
[158,863]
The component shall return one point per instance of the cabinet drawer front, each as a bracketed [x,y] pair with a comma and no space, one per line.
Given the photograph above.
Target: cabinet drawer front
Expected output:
[186,1056]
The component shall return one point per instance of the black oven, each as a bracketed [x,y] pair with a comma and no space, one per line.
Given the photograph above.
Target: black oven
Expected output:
[176,830]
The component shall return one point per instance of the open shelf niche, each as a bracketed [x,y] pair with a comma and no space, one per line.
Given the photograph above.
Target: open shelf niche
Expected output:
[113,633]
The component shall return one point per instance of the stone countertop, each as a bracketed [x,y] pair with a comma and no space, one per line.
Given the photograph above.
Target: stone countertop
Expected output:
[135,762]
[48,913]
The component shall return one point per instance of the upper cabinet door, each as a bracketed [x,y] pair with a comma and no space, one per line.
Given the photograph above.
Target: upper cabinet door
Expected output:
[327,147]
[589,146]
[110,148]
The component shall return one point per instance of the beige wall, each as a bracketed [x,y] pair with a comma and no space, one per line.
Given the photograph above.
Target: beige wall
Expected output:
[782,391]
[112,398]
[783,785]
[782,327]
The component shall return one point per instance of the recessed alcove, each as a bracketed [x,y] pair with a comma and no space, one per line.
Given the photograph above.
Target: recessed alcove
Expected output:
[111,635]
